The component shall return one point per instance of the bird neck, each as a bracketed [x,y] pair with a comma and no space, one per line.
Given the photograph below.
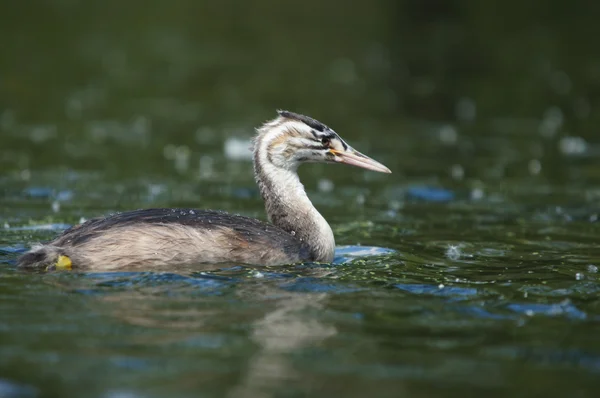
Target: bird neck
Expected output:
[289,208]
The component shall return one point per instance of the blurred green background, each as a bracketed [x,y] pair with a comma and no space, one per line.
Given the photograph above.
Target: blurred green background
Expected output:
[66,66]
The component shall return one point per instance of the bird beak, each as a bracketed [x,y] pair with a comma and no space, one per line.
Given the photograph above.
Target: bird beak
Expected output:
[354,158]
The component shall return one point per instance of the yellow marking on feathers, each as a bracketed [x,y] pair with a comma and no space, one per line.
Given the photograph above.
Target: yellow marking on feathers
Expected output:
[63,263]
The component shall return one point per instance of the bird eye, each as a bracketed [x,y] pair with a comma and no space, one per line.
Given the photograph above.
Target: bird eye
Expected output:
[325,141]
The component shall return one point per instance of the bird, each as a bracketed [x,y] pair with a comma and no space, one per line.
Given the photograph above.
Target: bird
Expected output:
[171,237]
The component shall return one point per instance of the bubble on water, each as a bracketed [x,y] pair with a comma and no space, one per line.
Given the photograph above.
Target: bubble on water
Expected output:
[457,172]
[258,274]
[477,194]
[465,109]
[529,312]
[552,121]
[56,206]
[534,166]
[238,148]
[572,146]
[592,268]
[579,276]
[325,185]
[448,135]
[441,286]
[453,252]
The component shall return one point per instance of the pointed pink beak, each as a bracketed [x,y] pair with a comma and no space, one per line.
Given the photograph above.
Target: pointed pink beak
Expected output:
[355,158]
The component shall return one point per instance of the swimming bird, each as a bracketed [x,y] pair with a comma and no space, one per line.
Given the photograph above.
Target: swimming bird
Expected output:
[170,237]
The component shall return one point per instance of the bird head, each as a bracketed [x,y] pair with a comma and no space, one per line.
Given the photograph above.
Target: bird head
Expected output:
[292,139]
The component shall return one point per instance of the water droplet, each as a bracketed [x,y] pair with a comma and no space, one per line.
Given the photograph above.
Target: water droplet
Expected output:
[477,194]
[453,252]
[441,286]
[579,276]
[448,135]
[238,149]
[457,172]
[592,268]
[572,145]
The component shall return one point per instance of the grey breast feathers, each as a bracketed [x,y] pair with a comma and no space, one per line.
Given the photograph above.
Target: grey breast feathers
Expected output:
[158,237]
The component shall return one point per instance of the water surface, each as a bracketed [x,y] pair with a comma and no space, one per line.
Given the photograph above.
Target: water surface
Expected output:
[472,269]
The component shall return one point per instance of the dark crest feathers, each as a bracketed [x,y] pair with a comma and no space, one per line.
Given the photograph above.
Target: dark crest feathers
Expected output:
[309,121]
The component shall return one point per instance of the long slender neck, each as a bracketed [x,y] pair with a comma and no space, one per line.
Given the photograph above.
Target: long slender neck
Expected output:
[289,208]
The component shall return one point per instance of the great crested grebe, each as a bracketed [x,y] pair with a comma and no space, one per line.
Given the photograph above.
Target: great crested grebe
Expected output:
[162,237]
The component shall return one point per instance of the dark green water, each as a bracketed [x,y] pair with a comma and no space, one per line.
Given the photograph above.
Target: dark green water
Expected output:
[472,269]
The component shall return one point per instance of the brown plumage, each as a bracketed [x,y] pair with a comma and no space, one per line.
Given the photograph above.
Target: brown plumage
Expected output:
[154,238]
